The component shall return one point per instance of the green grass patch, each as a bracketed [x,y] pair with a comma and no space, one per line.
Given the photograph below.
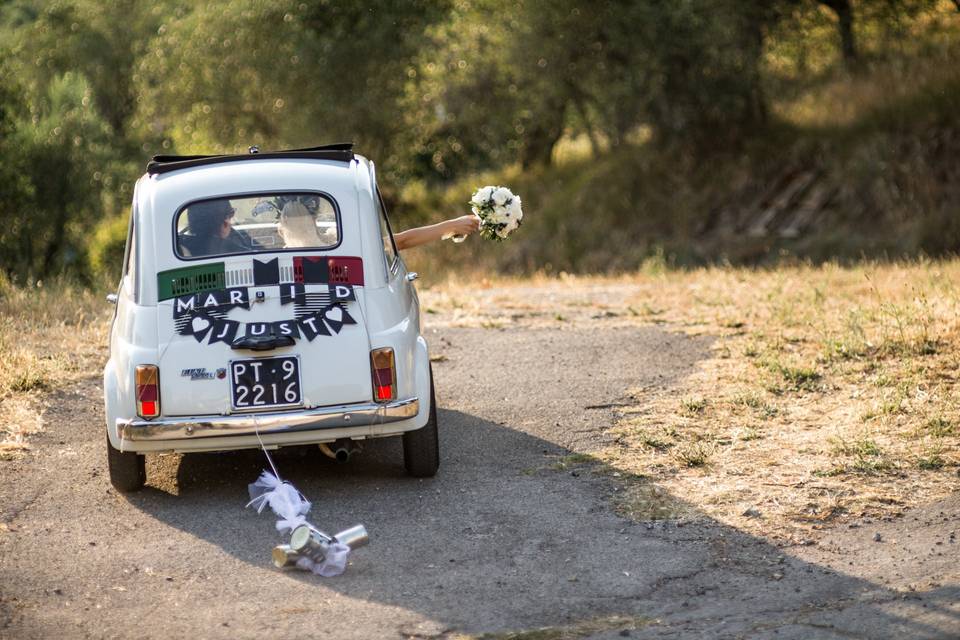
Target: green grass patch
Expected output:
[863,455]
[693,406]
[939,427]
[694,454]
[796,378]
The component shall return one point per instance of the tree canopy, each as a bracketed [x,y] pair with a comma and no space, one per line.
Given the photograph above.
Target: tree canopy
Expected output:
[432,89]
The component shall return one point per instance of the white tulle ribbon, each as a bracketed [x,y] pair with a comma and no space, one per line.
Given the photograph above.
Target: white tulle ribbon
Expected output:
[282,497]
[333,564]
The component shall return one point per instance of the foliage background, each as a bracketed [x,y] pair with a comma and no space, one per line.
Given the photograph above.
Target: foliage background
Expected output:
[622,123]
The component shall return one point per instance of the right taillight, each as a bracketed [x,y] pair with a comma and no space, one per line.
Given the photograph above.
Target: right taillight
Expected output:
[342,270]
[148,391]
[384,374]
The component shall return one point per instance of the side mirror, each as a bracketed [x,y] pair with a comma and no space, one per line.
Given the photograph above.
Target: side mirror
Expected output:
[112,298]
[413,275]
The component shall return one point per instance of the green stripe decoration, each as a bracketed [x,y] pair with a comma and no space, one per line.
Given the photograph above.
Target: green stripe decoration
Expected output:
[189,280]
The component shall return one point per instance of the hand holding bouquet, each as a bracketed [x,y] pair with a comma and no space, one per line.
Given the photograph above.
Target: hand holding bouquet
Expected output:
[499,211]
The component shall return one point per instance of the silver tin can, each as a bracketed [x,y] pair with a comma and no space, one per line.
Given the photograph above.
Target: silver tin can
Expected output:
[354,537]
[308,541]
[284,557]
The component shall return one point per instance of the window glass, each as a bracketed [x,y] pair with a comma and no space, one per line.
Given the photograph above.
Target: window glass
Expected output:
[130,250]
[389,247]
[251,224]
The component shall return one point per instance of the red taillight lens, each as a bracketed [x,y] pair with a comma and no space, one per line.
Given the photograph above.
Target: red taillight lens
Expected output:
[345,271]
[384,373]
[148,391]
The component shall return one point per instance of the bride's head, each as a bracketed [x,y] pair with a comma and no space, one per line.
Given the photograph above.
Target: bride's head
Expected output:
[297,226]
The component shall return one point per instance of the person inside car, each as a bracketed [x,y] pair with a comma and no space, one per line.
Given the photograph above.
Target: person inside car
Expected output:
[209,231]
[298,227]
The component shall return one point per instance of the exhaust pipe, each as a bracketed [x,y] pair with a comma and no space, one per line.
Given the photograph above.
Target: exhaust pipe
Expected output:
[341,450]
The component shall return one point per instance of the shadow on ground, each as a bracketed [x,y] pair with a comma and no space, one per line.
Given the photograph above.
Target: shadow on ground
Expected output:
[501,540]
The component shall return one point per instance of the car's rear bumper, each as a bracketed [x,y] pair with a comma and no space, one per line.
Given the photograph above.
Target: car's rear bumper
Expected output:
[320,418]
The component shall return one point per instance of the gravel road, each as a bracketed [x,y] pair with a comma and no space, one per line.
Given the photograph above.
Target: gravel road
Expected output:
[500,541]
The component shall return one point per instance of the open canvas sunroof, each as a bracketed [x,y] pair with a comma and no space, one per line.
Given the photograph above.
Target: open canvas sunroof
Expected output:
[163,164]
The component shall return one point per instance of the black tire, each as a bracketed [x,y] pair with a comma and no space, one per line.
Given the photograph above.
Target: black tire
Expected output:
[128,470]
[421,448]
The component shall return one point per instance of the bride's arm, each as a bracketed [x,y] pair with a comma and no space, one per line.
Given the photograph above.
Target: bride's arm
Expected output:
[464,226]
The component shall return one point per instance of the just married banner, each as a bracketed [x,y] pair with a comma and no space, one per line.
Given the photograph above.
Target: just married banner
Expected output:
[203,315]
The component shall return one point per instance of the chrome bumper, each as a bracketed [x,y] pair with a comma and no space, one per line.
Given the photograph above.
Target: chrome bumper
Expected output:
[339,416]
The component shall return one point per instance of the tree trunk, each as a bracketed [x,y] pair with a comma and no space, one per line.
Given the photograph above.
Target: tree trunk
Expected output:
[538,149]
[578,103]
[844,13]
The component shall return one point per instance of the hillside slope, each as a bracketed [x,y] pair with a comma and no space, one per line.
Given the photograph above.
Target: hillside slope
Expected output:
[880,181]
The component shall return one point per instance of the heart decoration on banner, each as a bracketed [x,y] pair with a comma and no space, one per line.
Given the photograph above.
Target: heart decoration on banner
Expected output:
[334,314]
[199,324]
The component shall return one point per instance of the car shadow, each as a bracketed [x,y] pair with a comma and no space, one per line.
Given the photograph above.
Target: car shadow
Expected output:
[505,538]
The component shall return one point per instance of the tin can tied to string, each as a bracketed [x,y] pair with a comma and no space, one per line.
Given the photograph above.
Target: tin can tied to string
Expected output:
[309,541]
[310,549]
[313,550]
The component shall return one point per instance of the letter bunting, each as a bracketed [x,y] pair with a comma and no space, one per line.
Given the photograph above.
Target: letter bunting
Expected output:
[201,315]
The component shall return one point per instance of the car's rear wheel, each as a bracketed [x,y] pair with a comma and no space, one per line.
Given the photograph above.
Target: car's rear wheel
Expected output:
[128,470]
[421,448]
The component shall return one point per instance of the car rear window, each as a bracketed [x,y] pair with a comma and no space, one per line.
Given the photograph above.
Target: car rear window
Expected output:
[257,223]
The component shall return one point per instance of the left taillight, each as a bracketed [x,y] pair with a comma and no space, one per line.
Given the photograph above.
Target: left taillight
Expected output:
[148,391]
[384,371]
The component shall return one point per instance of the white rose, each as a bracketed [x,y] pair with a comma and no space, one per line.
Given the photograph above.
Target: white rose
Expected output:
[502,195]
[516,212]
[500,214]
[482,196]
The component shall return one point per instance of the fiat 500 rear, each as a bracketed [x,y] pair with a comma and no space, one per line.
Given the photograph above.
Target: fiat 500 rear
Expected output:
[263,301]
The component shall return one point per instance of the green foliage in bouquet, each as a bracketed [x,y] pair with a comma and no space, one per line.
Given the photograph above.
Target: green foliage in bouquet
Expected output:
[499,210]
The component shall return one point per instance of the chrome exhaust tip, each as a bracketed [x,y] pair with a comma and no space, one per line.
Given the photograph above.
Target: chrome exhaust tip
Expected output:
[341,450]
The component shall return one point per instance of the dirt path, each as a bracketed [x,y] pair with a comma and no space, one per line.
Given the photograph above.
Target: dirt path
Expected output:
[502,540]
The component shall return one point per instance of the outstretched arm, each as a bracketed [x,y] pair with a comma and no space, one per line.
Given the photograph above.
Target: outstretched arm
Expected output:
[464,226]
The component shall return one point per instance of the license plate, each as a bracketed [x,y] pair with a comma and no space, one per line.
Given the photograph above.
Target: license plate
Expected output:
[265,382]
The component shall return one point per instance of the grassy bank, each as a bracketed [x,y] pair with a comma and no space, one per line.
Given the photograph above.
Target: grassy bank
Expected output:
[880,145]
[50,336]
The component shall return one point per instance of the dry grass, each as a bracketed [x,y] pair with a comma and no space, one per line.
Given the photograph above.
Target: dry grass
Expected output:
[50,335]
[830,394]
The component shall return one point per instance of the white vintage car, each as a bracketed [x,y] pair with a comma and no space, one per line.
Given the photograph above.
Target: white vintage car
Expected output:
[263,300]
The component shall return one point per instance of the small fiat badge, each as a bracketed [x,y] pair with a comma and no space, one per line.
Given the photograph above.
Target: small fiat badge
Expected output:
[200,373]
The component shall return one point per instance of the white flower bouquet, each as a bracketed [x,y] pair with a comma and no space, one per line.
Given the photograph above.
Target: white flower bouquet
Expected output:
[499,211]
